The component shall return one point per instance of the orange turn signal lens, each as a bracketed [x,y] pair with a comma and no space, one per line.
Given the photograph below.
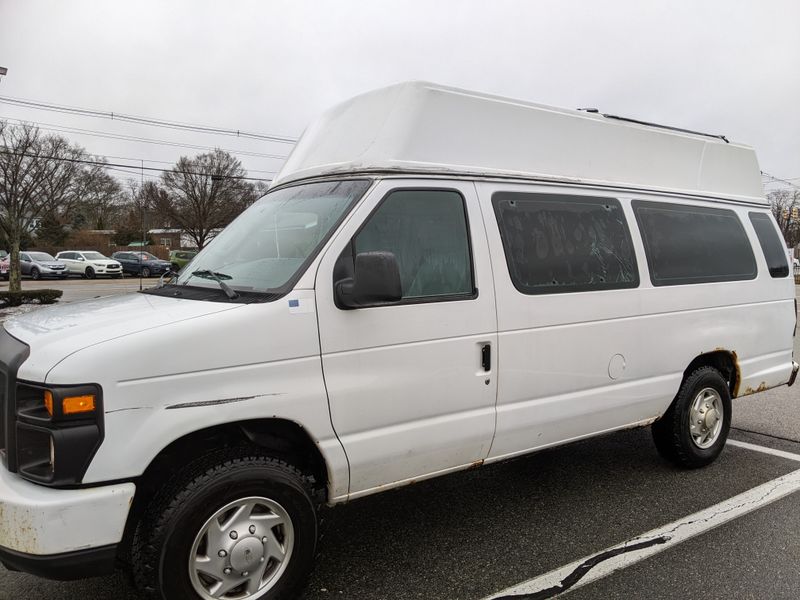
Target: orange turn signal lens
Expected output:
[78,404]
[48,402]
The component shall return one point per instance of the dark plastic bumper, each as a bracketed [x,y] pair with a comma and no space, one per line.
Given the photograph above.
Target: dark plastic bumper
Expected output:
[63,567]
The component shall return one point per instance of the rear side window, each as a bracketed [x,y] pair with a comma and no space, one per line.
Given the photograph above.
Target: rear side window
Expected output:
[693,244]
[558,243]
[427,232]
[771,244]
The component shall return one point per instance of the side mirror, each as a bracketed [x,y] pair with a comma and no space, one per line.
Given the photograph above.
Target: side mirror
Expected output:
[81,258]
[376,281]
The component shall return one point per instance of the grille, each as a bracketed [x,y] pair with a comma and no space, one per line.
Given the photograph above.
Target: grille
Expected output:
[12,354]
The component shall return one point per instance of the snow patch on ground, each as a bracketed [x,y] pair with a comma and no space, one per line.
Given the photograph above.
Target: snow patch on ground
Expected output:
[13,311]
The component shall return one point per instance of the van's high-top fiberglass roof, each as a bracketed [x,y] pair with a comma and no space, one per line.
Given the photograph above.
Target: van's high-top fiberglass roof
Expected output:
[420,127]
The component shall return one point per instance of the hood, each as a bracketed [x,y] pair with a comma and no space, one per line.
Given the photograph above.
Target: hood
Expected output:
[58,331]
[104,261]
[50,263]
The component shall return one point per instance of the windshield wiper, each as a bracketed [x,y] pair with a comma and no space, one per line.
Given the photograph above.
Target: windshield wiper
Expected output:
[219,278]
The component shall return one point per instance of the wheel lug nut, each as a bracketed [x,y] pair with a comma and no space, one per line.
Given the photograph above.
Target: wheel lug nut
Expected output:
[245,573]
[261,559]
[227,570]
[222,554]
[252,528]
[234,535]
[264,539]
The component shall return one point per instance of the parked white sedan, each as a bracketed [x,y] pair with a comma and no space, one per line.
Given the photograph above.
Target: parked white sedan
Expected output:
[89,264]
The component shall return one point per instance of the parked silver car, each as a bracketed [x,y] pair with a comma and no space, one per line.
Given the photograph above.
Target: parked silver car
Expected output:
[41,264]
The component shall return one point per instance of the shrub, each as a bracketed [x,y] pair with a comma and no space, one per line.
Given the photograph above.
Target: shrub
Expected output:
[29,297]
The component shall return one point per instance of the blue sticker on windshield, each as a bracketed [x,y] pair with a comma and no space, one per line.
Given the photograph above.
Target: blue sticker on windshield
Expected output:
[294,303]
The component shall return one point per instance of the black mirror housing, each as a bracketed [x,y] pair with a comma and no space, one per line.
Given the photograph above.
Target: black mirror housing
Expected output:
[376,282]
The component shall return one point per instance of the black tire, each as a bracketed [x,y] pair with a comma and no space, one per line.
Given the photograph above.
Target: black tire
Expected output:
[35,273]
[175,267]
[162,543]
[145,272]
[90,274]
[671,433]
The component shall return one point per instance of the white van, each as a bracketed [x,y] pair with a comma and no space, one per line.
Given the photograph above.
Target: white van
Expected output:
[437,279]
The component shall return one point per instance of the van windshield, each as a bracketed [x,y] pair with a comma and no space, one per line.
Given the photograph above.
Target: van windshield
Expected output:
[266,246]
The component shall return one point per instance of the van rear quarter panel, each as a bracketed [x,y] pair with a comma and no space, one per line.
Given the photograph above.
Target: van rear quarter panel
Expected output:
[557,352]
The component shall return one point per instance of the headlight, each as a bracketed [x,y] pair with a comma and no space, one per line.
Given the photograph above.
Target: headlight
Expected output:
[58,431]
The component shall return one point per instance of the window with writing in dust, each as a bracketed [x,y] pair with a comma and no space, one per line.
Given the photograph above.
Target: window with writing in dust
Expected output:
[561,243]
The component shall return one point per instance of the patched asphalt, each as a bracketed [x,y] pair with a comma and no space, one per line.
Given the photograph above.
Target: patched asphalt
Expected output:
[754,557]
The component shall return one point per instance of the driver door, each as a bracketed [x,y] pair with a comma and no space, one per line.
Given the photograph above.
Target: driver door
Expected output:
[412,385]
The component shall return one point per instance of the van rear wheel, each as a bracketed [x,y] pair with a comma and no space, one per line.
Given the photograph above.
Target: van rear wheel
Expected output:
[235,525]
[693,431]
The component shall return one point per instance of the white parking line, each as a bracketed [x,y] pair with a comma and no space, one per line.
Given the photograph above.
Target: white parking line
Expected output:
[604,563]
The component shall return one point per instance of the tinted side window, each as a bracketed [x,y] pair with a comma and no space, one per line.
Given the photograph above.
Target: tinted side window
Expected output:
[559,243]
[427,232]
[693,244]
[771,244]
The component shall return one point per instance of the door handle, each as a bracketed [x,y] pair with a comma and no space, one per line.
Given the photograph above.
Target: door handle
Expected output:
[486,357]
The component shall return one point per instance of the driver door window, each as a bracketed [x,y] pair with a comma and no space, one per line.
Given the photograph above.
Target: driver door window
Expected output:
[427,232]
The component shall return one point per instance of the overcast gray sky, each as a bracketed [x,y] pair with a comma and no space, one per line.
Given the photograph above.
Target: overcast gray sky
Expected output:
[721,66]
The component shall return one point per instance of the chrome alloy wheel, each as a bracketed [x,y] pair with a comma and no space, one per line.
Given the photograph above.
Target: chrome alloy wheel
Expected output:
[705,418]
[242,550]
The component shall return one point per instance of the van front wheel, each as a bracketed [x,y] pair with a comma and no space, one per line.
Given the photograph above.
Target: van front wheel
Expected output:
[695,427]
[235,526]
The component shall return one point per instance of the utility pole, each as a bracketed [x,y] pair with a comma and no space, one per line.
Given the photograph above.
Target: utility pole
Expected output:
[144,232]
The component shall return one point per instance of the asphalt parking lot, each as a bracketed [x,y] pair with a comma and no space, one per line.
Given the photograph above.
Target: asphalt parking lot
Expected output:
[75,288]
[484,533]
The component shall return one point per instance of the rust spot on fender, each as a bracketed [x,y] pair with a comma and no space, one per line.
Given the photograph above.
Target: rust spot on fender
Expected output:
[476,464]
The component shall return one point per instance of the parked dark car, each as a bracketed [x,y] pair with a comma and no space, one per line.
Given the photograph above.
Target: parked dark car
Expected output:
[144,263]
[41,264]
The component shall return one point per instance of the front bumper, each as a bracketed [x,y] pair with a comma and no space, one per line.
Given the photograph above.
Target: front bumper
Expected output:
[107,270]
[45,529]
[68,566]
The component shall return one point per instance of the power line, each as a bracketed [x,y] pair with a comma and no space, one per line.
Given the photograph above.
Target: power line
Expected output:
[88,112]
[133,138]
[166,162]
[778,179]
[137,172]
[137,167]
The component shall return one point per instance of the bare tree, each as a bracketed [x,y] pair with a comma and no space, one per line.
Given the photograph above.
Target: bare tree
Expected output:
[785,206]
[201,195]
[99,197]
[37,176]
